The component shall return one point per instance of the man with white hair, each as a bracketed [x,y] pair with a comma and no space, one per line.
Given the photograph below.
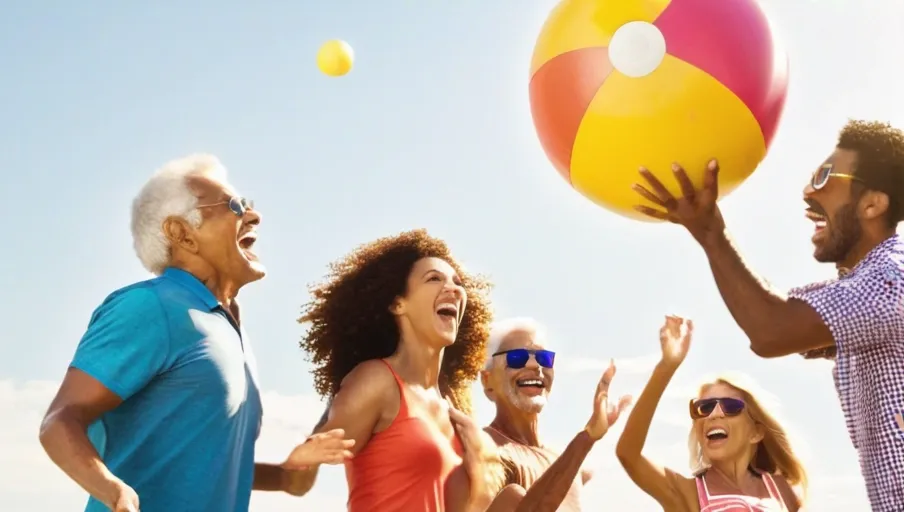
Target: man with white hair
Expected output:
[518,378]
[161,400]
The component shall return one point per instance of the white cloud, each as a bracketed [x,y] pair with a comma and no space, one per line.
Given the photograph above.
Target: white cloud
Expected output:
[625,366]
[31,482]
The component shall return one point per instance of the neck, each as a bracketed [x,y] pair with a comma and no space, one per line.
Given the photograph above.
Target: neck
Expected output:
[222,288]
[867,243]
[518,425]
[417,362]
[736,472]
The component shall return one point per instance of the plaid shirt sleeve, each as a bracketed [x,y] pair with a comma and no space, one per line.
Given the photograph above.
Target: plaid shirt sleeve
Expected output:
[852,307]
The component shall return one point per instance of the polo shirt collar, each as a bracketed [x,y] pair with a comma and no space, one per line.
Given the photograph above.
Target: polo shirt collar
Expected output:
[193,284]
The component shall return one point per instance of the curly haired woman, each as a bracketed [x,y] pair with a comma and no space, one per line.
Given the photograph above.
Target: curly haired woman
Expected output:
[397,333]
[742,459]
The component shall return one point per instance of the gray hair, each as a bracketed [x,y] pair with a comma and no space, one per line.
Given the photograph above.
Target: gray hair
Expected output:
[167,194]
[501,330]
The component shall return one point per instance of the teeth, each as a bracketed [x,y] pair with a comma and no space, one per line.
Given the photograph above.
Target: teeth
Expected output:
[716,431]
[530,382]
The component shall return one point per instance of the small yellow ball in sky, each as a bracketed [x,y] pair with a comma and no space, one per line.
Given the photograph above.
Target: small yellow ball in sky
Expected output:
[335,58]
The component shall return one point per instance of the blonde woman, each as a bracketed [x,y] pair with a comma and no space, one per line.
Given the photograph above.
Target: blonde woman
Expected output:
[742,459]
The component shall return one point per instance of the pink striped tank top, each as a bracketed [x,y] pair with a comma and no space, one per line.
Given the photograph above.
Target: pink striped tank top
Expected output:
[738,503]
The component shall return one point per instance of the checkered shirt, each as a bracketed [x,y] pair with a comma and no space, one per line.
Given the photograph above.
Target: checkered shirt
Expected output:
[864,309]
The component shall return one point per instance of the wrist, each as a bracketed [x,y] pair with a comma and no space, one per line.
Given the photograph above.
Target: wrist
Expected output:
[110,491]
[668,366]
[714,239]
[589,435]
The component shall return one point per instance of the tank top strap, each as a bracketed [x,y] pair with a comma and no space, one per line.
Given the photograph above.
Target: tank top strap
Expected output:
[403,402]
[771,486]
[702,492]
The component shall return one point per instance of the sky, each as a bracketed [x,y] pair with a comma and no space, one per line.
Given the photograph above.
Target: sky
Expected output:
[431,129]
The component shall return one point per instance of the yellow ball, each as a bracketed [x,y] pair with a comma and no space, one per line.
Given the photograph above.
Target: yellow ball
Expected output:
[335,58]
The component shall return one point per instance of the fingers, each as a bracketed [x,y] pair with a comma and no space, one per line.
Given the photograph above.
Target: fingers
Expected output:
[606,378]
[651,212]
[646,194]
[335,433]
[625,402]
[711,178]
[899,419]
[687,188]
[615,411]
[662,195]
[457,416]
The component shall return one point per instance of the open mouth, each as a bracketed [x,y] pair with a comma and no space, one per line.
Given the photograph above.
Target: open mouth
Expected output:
[246,244]
[530,383]
[716,434]
[449,312]
[819,220]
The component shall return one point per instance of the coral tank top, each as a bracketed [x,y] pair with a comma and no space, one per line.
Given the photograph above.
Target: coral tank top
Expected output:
[403,468]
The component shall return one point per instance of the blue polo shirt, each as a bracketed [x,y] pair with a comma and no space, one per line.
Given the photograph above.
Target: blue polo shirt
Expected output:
[184,435]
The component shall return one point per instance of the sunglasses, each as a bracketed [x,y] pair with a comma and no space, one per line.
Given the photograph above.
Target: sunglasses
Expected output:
[703,407]
[238,205]
[517,358]
[822,175]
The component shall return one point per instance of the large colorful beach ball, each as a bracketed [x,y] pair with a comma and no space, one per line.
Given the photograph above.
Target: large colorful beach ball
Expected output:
[619,84]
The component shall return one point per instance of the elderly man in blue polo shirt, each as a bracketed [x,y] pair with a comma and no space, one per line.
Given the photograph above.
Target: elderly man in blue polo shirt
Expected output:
[161,403]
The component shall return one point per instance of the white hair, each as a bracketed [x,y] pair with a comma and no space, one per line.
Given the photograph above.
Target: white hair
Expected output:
[502,329]
[167,194]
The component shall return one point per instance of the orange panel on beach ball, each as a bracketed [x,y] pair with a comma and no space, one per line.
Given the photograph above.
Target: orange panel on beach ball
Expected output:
[619,84]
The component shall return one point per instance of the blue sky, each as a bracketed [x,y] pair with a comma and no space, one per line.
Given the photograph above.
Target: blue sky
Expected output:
[431,129]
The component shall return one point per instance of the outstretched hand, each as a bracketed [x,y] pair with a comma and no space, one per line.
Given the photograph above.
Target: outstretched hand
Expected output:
[696,210]
[675,337]
[325,448]
[605,414]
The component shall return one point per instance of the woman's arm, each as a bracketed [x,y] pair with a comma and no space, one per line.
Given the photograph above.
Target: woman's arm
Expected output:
[658,482]
[356,408]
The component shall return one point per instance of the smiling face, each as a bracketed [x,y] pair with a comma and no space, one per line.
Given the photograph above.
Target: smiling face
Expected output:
[526,389]
[725,437]
[434,302]
[833,209]
[224,241]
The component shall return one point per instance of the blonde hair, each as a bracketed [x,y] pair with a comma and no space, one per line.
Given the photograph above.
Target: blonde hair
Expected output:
[773,454]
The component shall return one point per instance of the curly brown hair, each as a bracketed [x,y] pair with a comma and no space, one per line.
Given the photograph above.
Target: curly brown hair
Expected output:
[880,160]
[350,321]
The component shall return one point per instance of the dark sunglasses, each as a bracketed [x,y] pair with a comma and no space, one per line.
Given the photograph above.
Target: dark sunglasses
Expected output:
[703,407]
[517,358]
[238,205]
[822,175]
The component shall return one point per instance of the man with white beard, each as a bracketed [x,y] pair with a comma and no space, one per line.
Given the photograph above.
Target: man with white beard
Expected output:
[518,378]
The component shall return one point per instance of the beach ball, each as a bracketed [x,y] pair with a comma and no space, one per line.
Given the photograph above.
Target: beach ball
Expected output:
[335,58]
[620,84]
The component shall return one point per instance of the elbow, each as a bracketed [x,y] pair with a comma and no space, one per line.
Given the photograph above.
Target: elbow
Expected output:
[625,453]
[765,347]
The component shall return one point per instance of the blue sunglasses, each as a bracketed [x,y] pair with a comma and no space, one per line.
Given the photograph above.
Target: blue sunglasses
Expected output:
[517,358]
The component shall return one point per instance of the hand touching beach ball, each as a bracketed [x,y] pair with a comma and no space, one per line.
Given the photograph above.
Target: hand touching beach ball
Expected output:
[335,58]
[620,84]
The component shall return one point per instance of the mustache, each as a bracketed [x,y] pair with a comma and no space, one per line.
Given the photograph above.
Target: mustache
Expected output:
[815,207]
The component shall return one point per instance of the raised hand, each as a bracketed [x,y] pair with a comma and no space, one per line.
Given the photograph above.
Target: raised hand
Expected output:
[696,210]
[324,448]
[604,414]
[675,338]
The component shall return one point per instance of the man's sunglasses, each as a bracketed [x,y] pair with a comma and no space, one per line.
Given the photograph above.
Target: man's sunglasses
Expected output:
[238,205]
[517,358]
[822,175]
[703,407]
